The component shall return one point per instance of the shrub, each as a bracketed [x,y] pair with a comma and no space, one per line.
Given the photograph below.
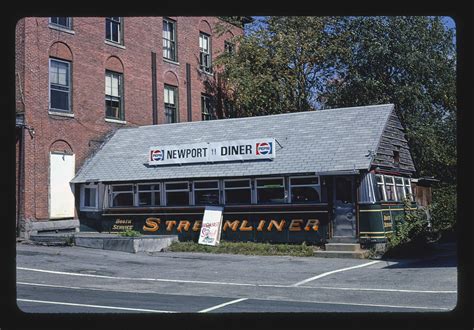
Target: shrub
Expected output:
[443,209]
[130,233]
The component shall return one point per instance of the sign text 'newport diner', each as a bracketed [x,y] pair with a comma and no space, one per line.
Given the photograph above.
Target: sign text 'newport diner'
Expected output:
[250,149]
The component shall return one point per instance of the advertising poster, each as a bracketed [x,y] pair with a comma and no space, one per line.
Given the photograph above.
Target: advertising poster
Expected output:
[211,226]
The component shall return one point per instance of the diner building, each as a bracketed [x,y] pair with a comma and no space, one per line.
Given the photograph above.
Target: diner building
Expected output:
[334,175]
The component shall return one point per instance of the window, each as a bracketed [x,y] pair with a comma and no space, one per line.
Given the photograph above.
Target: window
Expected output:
[89,196]
[64,22]
[149,194]
[207,109]
[399,188]
[305,189]
[177,193]
[270,190]
[113,95]
[205,52]
[380,186]
[237,191]
[59,85]
[229,47]
[389,188]
[169,40]
[121,195]
[407,186]
[113,29]
[171,109]
[206,192]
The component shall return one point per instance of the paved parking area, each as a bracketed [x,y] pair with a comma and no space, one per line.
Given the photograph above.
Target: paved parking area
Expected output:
[76,280]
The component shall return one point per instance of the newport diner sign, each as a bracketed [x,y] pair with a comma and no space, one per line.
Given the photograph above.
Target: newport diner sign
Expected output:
[209,152]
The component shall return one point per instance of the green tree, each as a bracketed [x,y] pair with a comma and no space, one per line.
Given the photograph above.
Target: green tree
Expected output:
[280,64]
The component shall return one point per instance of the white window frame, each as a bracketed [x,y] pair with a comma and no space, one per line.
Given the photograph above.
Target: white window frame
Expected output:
[238,188]
[69,87]
[394,188]
[154,202]
[112,194]
[205,52]
[412,198]
[285,197]
[290,187]
[194,189]
[111,22]
[83,207]
[68,25]
[165,192]
[399,198]
[168,105]
[384,197]
[173,49]
[119,98]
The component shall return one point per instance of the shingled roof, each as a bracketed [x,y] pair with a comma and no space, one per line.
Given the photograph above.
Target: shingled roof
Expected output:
[322,142]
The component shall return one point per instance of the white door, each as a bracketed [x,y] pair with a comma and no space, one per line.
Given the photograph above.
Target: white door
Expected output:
[61,197]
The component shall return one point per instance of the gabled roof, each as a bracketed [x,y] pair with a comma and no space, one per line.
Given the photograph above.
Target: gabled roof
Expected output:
[322,141]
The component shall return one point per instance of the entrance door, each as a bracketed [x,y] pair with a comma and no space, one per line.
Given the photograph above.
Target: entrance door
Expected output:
[344,218]
[61,197]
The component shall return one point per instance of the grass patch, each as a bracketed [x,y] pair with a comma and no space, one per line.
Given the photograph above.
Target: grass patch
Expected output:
[246,248]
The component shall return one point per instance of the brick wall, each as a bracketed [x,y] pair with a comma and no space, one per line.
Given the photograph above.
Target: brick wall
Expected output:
[90,54]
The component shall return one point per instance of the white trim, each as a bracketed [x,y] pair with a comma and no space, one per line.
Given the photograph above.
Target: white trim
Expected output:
[60,28]
[82,197]
[61,113]
[149,191]
[116,121]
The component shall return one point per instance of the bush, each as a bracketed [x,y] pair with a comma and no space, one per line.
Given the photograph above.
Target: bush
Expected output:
[130,233]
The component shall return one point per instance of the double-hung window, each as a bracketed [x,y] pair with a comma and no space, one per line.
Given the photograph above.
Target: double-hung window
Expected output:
[407,186]
[177,193]
[205,52]
[114,29]
[399,188]
[59,85]
[305,189]
[169,40]
[270,190]
[63,22]
[122,195]
[237,191]
[170,100]
[149,194]
[207,109]
[229,47]
[89,197]
[390,188]
[206,192]
[113,95]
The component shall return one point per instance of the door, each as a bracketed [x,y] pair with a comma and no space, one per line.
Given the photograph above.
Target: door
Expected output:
[344,218]
[61,197]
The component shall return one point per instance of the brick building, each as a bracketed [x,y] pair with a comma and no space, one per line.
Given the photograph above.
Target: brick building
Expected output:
[78,79]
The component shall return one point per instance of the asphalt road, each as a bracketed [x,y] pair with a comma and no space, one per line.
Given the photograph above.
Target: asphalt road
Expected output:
[82,280]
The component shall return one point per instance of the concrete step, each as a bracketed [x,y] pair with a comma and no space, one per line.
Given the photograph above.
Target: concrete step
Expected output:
[363,254]
[342,239]
[347,247]
[53,239]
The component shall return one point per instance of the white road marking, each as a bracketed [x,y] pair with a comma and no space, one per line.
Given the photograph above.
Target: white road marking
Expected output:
[334,271]
[222,305]
[382,290]
[94,306]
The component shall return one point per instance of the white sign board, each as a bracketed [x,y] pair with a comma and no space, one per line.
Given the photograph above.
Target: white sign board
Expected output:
[250,149]
[211,226]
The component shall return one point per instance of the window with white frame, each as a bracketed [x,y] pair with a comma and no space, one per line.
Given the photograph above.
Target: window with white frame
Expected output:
[393,188]
[237,191]
[170,100]
[59,85]
[305,189]
[89,196]
[149,194]
[408,191]
[113,95]
[380,186]
[207,110]
[205,52]
[399,188]
[169,40]
[390,193]
[63,22]
[206,192]
[177,193]
[122,195]
[114,29]
[271,190]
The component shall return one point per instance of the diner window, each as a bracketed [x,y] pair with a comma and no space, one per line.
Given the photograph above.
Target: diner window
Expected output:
[305,189]
[380,186]
[113,95]
[169,40]
[237,191]
[170,100]
[177,193]
[149,194]
[205,52]
[207,109]
[270,190]
[390,188]
[89,196]
[59,85]
[122,195]
[206,192]
[408,191]
[114,29]
[64,22]
[399,188]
